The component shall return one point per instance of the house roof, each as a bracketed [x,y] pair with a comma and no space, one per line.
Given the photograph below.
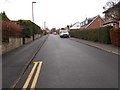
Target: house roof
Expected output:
[74,24]
[89,20]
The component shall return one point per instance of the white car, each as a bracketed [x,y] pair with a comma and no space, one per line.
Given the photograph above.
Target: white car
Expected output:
[64,34]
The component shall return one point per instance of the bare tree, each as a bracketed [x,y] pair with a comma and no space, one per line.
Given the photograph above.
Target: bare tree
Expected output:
[110,4]
[112,9]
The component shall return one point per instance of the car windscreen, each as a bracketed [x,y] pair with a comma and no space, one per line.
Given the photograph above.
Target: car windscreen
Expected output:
[64,31]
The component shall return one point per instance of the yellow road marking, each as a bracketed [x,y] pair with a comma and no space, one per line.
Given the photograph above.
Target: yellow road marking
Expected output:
[36,76]
[29,77]
[35,62]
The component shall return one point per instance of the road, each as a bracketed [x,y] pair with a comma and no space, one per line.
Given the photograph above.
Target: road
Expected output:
[69,64]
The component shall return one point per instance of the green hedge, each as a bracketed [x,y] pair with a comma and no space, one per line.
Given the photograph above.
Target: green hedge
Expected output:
[29,28]
[97,35]
[4,17]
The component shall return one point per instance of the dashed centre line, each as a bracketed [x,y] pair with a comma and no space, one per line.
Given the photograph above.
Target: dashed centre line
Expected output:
[34,82]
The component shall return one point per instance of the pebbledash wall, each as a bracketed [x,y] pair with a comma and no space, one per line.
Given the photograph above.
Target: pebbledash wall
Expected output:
[15,43]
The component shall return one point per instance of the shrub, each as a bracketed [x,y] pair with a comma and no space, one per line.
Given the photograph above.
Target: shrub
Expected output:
[29,28]
[10,29]
[4,17]
[97,35]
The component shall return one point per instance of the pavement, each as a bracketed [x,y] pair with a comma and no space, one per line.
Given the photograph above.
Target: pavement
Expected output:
[106,47]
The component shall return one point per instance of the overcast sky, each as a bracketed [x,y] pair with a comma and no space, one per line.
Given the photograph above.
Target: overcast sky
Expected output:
[56,13]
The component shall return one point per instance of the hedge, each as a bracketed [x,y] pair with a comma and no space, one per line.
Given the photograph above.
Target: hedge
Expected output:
[97,35]
[10,29]
[29,28]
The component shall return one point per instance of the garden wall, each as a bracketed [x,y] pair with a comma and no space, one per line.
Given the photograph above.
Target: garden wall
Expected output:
[115,36]
[16,42]
[12,44]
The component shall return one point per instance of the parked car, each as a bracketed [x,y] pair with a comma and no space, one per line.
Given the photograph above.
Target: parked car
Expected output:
[54,33]
[64,34]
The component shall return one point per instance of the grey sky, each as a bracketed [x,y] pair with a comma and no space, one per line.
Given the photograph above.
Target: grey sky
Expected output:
[56,13]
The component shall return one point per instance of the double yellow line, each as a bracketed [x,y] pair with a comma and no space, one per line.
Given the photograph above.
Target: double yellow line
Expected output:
[35,77]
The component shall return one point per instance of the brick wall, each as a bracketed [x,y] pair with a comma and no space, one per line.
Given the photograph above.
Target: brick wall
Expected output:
[115,36]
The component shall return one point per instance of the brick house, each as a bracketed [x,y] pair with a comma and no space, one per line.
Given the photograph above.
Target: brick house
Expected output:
[112,16]
[75,26]
[91,23]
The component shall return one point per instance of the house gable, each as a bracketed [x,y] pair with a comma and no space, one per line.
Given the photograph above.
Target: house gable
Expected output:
[95,23]
[75,26]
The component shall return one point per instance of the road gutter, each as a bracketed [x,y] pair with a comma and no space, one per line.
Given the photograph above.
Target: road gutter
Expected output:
[27,65]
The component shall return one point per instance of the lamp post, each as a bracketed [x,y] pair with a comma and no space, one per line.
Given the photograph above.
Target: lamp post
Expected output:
[33,18]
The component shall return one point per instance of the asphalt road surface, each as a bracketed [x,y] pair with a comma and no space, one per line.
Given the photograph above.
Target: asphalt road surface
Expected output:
[68,64]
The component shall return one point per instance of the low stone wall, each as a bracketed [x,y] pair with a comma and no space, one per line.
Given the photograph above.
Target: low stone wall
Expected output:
[16,42]
[37,36]
[12,44]
[27,40]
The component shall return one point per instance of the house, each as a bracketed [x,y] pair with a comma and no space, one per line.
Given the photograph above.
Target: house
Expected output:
[46,30]
[90,23]
[75,26]
[112,16]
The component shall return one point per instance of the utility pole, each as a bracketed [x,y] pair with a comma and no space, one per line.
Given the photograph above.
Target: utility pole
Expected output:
[44,25]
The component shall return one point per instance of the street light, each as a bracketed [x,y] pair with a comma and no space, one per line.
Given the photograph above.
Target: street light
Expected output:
[33,11]
[33,18]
